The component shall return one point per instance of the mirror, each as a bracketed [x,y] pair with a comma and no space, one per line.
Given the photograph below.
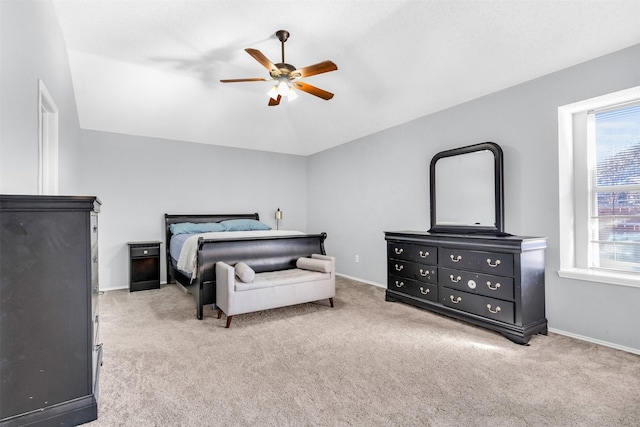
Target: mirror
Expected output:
[467,190]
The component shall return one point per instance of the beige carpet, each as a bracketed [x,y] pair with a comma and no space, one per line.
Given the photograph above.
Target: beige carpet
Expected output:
[365,362]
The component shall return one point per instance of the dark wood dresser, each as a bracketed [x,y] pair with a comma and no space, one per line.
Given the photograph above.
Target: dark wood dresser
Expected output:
[50,349]
[492,281]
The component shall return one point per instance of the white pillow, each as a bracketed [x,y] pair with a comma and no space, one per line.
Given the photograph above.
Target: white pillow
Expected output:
[312,264]
[244,272]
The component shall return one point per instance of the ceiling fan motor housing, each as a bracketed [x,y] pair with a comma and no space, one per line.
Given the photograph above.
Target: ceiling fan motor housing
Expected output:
[284,70]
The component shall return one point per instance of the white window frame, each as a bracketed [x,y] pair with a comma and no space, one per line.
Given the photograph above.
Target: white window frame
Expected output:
[47,142]
[574,193]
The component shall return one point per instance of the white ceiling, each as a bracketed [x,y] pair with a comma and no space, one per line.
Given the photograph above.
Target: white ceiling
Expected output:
[152,67]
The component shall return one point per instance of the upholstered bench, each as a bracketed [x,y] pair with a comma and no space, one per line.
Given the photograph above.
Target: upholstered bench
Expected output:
[240,290]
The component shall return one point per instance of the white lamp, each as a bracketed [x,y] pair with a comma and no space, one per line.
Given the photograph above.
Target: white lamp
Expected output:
[292,94]
[284,89]
[273,93]
[278,218]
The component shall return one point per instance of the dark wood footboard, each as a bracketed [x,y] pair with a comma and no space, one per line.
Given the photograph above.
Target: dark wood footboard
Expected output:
[260,253]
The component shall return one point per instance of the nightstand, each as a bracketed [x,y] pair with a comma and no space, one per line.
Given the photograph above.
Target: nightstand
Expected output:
[144,265]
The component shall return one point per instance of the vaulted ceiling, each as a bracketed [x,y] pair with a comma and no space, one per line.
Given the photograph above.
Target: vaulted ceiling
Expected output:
[152,67]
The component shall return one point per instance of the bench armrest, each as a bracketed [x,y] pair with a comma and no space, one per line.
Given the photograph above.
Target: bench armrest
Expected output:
[225,284]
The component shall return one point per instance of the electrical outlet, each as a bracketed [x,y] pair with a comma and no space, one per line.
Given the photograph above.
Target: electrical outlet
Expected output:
[357,258]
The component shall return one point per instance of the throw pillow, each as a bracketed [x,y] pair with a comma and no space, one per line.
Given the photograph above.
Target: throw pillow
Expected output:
[244,272]
[312,264]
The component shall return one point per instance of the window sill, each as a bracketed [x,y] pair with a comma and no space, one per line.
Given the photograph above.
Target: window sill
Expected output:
[610,278]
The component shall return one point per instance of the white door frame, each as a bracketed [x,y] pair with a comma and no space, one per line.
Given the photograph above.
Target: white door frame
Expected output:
[47,142]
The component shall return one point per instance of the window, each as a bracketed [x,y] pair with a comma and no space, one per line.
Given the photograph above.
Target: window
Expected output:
[614,188]
[599,171]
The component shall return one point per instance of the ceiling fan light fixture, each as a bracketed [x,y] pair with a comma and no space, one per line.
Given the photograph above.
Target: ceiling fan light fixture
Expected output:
[292,95]
[283,88]
[273,93]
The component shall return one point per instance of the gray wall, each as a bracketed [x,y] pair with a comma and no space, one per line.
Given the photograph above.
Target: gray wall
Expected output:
[354,192]
[140,179]
[380,182]
[32,48]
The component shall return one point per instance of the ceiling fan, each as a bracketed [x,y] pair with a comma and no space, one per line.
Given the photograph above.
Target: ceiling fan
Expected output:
[287,76]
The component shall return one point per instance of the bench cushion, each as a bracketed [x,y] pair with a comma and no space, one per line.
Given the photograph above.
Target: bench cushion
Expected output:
[292,276]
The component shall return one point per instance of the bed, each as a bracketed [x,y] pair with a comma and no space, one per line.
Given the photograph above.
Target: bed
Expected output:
[263,250]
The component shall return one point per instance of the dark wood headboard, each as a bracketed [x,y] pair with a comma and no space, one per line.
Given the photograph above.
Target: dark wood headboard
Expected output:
[197,218]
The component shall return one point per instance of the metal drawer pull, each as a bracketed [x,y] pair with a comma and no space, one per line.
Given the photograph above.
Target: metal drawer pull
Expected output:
[424,254]
[399,284]
[455,279]
[399,267]
[497,310]
[455,259]
[424,291]
[497,263]
[493,288]
[456,300]
[399,250]
[424,273]
[471,284]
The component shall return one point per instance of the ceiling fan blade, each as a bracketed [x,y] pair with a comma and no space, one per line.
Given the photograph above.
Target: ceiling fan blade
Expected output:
[252,79]
[305,87]
[273,102]
[266,63]
[312,70]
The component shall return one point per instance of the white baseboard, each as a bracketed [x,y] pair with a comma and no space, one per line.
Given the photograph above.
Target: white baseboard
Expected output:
[596,341]
[118,288]
[361,280]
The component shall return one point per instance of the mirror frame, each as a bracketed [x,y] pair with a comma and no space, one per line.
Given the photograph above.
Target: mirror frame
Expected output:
[498,228]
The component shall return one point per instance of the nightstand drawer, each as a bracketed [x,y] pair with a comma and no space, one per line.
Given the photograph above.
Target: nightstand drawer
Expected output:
[411,270]
[142,252]
[486,262]
[416,253]
[491,308]
[422,290]
[482,284]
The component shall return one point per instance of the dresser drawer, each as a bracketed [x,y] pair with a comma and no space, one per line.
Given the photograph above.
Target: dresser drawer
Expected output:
[412,270]
[482,284]
[422,290]
[491,308]
[486,262]
[416,253]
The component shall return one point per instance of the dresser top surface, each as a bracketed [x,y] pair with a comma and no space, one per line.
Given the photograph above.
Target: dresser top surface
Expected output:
[477,239]
[19,202]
